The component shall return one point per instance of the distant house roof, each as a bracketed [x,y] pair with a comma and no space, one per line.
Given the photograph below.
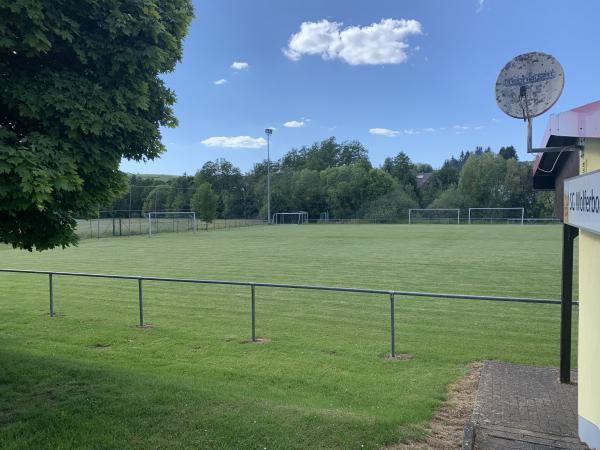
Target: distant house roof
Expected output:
[423,178]
[565,129]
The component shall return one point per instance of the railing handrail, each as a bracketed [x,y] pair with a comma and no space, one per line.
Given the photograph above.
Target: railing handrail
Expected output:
[253,284]
[293,286]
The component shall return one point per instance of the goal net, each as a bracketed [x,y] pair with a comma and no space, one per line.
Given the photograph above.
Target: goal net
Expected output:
[434,215]
[296,218]
[173,221]
[497,215]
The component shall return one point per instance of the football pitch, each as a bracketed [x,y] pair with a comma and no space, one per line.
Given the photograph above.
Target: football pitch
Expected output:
[89,378]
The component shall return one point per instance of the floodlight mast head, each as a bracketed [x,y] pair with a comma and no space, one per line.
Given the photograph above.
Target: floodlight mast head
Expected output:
[269,131]
[529,85]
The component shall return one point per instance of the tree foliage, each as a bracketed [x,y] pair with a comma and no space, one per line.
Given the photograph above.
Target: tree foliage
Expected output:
[508,153]
[325,154]
[204,202]
[403,170]
[79,91]
[338,178]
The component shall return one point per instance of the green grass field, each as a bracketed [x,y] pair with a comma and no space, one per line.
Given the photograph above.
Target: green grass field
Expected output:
[89,378]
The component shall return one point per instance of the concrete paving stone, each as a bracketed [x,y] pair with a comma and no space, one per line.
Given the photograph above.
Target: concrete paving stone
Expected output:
[519,407]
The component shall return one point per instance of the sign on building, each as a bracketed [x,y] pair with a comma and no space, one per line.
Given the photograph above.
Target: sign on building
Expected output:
[582,202]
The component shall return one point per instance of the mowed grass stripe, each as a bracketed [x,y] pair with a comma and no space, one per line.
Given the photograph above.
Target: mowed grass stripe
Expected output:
[91,378]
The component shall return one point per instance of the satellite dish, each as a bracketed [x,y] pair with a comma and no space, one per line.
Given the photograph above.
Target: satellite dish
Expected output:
[529,85]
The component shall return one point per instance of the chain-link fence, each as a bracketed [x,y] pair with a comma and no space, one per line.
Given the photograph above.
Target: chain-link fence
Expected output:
[130,223]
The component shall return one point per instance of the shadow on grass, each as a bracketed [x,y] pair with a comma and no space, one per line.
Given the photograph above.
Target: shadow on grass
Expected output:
[47,402]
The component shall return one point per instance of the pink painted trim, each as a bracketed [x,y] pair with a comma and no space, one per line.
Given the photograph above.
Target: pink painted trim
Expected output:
[580,122]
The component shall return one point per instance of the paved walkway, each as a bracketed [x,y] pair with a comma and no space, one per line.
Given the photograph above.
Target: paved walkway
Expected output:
[525,408]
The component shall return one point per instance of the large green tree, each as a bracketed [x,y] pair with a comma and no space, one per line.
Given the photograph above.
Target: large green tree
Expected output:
[204,203]
[227,182]
[79,91]
[403,169]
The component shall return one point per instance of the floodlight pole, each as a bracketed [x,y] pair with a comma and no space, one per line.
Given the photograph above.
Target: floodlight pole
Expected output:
[268,132]
[129,223]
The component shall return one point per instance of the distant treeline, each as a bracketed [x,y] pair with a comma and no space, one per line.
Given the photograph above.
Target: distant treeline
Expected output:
[339,179]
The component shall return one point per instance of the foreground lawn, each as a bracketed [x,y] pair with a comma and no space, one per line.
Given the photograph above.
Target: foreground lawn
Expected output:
[89,378]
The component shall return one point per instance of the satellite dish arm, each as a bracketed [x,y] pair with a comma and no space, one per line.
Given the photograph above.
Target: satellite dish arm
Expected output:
[529,133]
[527,116]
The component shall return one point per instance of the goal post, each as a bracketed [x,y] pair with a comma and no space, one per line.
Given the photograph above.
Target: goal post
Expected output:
[175,217]
[434,215]
[295,217]
[497,215]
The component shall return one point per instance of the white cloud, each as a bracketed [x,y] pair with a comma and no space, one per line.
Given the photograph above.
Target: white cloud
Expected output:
[384,132]
[378,43]
[294,124]
[480,5]
[220,82]
[495,120]
[411,132]
[238,65]
[235,142]
[429,130]
[461,127]
[479,127]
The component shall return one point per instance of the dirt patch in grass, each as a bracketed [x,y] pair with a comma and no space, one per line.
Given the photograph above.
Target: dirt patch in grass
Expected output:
[399,357]
[445,431]
[259,340]
[100,347]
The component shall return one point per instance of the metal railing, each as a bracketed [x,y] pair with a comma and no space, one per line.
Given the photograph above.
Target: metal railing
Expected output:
[391,293]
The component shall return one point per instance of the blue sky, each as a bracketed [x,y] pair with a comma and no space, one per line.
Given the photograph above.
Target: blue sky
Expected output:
[421,73]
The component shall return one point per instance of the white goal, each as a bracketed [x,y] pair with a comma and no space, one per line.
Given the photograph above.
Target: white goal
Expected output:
[434,215]
[173,221]
[296,218]
[497,215]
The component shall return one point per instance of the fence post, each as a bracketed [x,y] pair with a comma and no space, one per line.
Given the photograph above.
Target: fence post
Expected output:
[140,303]
[51,295]
[566,304]
[253,289]
[392,327]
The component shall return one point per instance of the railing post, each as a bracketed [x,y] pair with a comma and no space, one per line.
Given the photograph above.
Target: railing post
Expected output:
[392,327]
[51,295]
[140,303]
[253,289]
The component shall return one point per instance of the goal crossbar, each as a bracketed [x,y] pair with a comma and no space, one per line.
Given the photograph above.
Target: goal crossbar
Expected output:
[171,214]
[301,217]
[520,219]
[411,210]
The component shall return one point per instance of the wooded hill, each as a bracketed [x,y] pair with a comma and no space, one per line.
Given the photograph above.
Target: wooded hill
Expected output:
[339,178]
